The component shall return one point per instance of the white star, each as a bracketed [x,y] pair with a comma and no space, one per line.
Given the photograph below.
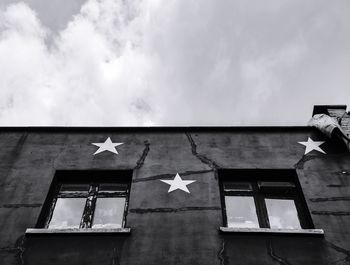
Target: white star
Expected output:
[312,145]
[108,145]
[178,183]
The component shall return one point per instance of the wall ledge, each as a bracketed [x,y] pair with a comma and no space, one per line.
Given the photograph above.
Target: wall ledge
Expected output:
[88,231]
[318,232]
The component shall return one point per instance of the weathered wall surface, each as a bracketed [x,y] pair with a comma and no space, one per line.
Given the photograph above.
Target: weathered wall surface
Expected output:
[176,227]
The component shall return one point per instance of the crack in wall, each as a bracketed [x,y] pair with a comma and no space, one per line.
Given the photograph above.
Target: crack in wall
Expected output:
[18,249]
[330,199]
[300,164]
[273,255]
[142,159]
[21,250]
[20,205]
[337,186]
[343,261]
[334,213]
[62,148]
[9,249]
[341,250]
[221,255]
[115,257]
[205,160]
[173,210]
[161,176]
[14,154]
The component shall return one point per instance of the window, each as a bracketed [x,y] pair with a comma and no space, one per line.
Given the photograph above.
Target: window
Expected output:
[93,199]
[263,199]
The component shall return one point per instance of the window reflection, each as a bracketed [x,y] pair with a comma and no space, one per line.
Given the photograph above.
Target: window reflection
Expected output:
[282,213]
[241,212]
[67,213]
[109,212]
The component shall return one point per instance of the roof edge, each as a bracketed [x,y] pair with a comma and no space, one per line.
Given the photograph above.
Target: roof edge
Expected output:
[153,128]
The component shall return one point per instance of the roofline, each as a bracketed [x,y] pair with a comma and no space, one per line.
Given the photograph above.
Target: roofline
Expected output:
[151,129]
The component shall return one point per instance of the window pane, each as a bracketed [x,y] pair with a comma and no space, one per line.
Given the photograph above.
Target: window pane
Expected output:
[67,213]
[277,187]
[113,187]
[274,184]
[241,212]
[282,213]
[109,212]
[74,189]
[237,186]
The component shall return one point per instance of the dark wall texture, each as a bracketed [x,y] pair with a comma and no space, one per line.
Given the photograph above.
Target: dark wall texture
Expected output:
[177,227]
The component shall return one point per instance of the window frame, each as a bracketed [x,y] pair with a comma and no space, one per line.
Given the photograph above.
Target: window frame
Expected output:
[254,176]
[93,178]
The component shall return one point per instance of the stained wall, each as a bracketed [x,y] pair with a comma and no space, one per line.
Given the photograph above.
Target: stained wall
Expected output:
[177,227]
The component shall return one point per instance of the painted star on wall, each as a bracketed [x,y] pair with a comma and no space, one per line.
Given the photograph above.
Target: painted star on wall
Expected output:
[108,145]
[312,145]
[178,183]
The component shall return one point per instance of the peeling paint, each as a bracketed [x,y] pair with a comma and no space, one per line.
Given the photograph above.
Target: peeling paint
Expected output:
[89,207]
[325,185]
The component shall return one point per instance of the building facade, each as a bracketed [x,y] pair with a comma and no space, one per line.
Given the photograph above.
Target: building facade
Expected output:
[175,195]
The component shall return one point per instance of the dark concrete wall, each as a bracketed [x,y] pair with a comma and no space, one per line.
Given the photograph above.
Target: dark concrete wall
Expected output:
[172,228]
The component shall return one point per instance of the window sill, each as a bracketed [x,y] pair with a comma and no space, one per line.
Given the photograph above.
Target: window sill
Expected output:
[316,232]
[44,231]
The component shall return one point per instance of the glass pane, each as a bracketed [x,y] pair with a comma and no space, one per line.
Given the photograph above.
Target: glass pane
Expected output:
[270,184]
[241,212]
[237,186]
[109,213]
[74,188]
[282,213]
[113,188]
[67,213]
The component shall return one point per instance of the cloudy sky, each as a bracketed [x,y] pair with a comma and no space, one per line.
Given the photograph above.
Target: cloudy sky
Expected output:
[173,62]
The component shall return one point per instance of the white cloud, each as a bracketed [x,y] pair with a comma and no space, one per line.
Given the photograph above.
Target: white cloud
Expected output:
[184,62]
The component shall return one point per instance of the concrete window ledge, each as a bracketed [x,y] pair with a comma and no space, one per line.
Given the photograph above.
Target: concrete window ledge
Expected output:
[87,231]
[316,232]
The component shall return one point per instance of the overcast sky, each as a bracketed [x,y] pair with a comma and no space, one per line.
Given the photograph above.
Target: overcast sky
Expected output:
[172,62]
